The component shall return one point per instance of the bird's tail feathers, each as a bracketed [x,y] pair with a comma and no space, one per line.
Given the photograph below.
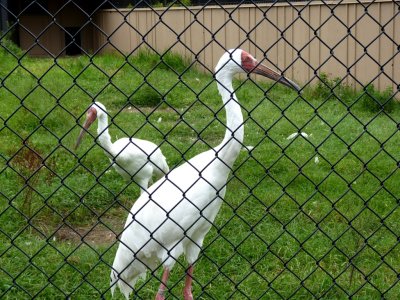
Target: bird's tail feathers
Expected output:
[113,281]
[112,291]
[125,287]
[161,166]
[125,282]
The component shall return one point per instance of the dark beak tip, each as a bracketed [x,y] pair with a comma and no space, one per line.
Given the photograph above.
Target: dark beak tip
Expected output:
[294,86]
[298,89]
[79,139]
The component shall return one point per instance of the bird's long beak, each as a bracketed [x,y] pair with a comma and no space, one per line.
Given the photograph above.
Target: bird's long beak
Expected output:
[90,118]
[271,74]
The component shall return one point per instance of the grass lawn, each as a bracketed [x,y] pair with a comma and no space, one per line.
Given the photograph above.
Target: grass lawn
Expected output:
[314,215]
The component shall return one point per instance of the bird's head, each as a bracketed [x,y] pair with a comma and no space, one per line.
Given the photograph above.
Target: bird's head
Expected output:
[96,110]
[239,61]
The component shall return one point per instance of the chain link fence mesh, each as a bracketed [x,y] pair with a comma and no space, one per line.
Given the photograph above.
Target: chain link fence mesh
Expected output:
[312,202]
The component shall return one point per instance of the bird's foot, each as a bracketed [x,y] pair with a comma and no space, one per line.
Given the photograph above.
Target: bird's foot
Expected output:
[187,294]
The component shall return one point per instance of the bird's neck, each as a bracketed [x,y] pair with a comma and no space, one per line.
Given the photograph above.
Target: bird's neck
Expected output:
[230,147]
[103,134]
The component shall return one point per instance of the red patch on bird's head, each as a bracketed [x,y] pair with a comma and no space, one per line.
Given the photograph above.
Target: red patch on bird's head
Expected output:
[248,62]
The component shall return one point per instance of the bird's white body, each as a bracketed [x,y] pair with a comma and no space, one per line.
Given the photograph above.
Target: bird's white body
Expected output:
[177,212]
[132,158]
[137,159]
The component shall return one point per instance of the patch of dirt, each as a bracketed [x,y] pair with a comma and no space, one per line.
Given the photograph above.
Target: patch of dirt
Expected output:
[96,234]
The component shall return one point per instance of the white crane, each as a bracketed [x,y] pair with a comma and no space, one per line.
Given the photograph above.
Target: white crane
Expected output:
[177,212]
[132,158]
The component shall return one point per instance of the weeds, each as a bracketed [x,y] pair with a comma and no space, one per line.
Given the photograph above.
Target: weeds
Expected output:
[146,95]
[8,47]
[369,98]
[27,162]
[374,101]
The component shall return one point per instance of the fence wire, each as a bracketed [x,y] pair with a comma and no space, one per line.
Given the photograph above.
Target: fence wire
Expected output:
[312,201]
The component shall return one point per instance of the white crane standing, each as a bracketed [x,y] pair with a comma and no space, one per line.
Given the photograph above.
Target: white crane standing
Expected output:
[177,212]
[132,158]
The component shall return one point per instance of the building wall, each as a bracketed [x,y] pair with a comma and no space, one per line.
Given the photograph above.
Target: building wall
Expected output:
[317,42]
[43,35]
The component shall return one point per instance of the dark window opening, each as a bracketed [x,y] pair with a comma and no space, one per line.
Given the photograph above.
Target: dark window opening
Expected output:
[73,41]
[38,7]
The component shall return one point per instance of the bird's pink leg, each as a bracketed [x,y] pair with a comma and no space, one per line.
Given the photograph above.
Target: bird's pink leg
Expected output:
[163,286]
[187,290]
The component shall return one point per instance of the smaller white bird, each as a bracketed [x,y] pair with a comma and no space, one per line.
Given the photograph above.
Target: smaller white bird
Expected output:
[132,158]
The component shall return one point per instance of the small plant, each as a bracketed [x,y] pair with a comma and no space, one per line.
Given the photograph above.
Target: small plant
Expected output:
[168,61]
[183,2]
[7,46]
[324,87]
[158,4]
[369,99]
[327,88]
[175,62]
[146,95]
[175,3]
[373,100]
[27,163]
[146,58]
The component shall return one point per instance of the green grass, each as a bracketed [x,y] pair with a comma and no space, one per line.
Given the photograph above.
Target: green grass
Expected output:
[290,227]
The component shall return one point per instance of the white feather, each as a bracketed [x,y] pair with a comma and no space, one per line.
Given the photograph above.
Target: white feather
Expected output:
[293,135]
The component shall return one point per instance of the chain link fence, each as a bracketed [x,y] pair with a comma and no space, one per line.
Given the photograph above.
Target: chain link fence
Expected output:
[311,176]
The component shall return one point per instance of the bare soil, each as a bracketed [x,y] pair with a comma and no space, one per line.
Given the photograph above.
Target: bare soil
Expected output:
[94,234]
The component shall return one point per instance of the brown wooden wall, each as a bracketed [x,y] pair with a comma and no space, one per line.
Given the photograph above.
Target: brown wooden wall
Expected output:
[44,35]
[349,40]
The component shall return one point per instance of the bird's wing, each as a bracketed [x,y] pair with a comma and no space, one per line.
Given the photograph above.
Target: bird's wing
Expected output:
[174,203]
[126,153]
